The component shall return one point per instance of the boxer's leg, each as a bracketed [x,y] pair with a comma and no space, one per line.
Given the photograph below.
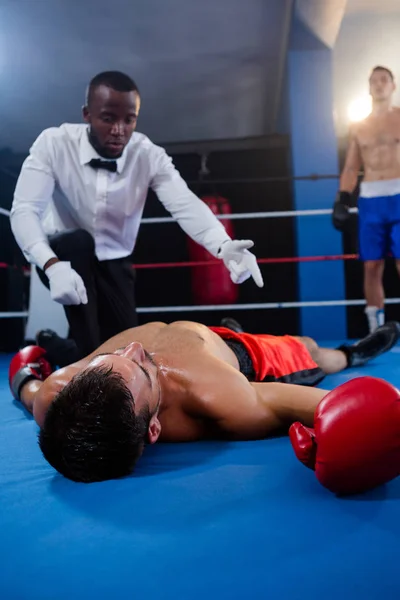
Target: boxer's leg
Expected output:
[330,361]
[395,232]
[373,241]
[354,355]
[398,263]
[373,287]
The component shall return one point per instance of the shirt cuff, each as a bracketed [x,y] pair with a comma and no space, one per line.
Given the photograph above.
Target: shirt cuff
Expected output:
[39,254]
[217,244]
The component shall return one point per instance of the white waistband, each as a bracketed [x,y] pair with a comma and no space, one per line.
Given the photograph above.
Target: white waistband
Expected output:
[375,189]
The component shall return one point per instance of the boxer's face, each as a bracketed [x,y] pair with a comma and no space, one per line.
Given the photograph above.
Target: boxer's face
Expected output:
[381,86]
[140,374]
[112,117]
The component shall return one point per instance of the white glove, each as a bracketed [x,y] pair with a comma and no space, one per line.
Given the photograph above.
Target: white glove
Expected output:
[241,263]
[66,286]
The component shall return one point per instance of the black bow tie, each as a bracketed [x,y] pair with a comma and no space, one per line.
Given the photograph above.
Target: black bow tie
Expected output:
[109,165]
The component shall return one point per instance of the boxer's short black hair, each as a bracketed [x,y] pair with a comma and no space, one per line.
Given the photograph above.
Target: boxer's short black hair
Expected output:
[91,432]
[113,79]
[380,68]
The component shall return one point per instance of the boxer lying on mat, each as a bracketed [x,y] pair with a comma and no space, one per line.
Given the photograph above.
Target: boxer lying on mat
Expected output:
[176,383]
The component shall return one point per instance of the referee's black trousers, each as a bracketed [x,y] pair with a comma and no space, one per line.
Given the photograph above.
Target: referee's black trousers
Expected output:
[110,286]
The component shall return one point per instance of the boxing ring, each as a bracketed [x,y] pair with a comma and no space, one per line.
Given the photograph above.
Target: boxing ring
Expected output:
[203,520]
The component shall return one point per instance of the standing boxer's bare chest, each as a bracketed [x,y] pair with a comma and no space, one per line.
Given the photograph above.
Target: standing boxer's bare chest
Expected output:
[380,132]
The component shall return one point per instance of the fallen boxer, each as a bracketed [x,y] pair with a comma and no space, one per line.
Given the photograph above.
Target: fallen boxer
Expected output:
[177,383]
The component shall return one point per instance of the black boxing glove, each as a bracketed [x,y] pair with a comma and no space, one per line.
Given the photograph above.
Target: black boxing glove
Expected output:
[341,214]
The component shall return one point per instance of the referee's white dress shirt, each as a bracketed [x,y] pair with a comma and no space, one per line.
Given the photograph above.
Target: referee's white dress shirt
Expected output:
[58,190]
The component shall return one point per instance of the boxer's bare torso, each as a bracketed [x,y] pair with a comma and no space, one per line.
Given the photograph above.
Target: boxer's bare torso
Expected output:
[375,146]
[204,395]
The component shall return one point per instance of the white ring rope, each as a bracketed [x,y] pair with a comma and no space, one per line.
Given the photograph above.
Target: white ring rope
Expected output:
[256,215]
[258,306]
[225,307]
[234,216]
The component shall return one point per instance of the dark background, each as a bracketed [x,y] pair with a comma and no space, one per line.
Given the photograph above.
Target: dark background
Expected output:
[209,71]
[273,238]
[233,171]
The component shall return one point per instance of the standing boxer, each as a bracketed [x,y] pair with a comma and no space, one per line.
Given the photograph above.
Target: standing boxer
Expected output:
[78,204]
[375,146]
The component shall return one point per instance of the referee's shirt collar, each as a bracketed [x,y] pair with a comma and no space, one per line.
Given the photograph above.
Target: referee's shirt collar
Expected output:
[87,153]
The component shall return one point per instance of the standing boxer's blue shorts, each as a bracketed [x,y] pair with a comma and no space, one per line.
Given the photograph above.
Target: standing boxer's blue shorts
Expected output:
[379,227]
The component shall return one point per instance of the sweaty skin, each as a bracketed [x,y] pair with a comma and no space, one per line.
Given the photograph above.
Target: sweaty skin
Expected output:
[379,143]
[375,141]
[193,378]
[374,145]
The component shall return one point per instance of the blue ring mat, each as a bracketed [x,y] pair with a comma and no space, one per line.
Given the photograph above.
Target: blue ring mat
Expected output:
[205,520]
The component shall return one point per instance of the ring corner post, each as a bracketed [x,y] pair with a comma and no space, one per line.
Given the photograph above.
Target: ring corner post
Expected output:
[314,150]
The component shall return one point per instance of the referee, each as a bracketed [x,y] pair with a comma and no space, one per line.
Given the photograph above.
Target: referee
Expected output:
[78,204]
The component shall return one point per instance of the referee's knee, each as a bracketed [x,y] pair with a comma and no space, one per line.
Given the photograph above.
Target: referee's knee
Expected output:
[73,243]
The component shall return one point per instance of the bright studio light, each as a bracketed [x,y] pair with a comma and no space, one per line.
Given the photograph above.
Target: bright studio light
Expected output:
[359,109]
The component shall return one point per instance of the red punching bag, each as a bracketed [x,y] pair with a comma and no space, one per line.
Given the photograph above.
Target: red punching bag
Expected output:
[212,284]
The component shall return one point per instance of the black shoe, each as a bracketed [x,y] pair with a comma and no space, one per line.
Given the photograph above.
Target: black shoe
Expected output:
[60,351]
[231,324]
[376,343]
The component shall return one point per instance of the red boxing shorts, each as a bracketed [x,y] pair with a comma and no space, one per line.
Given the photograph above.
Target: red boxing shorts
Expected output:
[274,358]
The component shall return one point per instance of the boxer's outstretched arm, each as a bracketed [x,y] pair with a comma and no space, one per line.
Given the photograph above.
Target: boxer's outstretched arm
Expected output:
[289,403]
[29,392]
[36,396]
[254,411]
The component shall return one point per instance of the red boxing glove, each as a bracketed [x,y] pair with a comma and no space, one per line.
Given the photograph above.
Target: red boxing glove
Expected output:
[355,444]
[28,363]
[304,444]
